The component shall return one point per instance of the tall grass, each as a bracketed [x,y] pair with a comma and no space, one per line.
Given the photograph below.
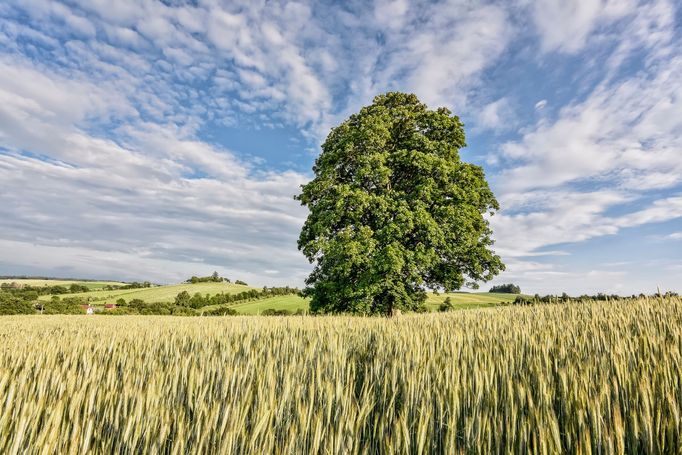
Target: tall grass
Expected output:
[576,378]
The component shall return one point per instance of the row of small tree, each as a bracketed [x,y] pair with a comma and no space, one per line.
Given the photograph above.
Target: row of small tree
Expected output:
[198,300]
[43,290]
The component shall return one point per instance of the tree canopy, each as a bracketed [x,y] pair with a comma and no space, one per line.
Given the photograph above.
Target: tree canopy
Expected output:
[394,211]
[506,288]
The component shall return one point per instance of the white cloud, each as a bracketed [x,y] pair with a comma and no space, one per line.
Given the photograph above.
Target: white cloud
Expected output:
[98,205]
[497,115]
[454,46]
[627,132]
[391,13]
[566,26]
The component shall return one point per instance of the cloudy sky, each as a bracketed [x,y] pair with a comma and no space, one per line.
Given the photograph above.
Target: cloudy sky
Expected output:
[155,140]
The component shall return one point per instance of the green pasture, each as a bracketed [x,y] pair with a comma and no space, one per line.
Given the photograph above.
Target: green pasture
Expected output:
[157,294]
[467,300]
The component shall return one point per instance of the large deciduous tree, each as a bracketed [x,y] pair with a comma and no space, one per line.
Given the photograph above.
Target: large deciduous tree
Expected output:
[394,211]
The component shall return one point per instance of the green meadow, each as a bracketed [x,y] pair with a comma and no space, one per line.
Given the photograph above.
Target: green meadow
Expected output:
[155,294]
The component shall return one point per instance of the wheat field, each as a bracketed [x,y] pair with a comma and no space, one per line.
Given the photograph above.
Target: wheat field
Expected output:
[573,378]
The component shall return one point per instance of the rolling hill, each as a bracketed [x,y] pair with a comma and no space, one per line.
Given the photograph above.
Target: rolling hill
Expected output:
[157,294]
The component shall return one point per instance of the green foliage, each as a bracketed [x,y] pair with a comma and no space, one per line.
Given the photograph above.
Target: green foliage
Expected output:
[394,211]
[523,300]
[72,305]
[34,291]
[213,278]
[222,311]
[16,307]
[183,299]
[198,301]
[506,289]
[446,305]
[240,282]
[75,287]
[275,312]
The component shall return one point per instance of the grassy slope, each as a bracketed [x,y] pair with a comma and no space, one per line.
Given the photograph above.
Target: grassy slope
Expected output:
[158,293]
[461,300]
[465,300]
[281,302]
[66,283]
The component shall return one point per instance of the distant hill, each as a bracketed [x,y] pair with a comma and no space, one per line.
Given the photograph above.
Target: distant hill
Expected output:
[157,294]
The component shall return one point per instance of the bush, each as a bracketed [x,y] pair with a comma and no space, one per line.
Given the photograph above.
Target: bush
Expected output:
[221,312]
[446,305]
[522,300]
[243,283]
[63,308]
[17,307]
[274,312]
[74,288]
[119,311]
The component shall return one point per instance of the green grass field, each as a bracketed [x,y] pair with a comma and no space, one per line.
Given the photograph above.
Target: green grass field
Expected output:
[157,294]
[282,302]
[90,284]
[467,300]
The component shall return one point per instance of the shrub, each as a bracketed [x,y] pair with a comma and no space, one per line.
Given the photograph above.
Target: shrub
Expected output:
[274,312]
[220,312]
[17,307]
[446,305]
[522,300]
[63,308]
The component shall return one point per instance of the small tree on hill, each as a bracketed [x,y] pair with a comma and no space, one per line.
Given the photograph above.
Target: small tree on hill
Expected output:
[506,289]
[394,211]
[183,298]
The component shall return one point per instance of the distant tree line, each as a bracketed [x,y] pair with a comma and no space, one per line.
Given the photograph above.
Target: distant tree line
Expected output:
[198,301]
[506,289]
[600,297]
[133,285]
[43,290]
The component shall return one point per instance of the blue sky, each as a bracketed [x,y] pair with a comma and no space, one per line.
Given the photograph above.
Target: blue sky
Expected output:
[156,140]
